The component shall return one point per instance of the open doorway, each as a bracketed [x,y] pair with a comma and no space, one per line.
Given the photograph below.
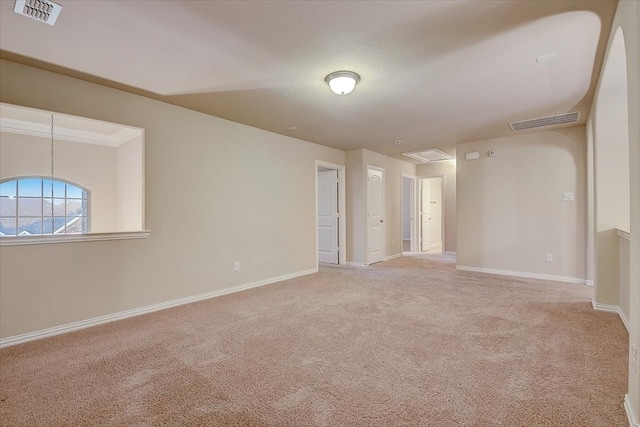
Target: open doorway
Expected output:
[330,213]
[408,210]
[431,209]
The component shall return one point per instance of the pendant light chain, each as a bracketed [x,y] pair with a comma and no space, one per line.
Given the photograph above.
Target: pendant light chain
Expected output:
[53,229]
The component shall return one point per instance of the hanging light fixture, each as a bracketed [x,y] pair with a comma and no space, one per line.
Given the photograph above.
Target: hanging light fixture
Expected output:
[342,82]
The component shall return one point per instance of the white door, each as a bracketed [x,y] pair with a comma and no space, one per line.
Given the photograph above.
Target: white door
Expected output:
[375,216]
[425,215]
[328,216]
[430,213]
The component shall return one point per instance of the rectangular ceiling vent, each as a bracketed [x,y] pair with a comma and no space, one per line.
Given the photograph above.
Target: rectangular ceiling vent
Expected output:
[430,155]
[560,119]
[40,10]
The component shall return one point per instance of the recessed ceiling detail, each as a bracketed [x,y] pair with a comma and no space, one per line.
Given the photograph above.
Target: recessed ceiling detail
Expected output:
[560,119]
[40,10]
[424,74]
[430,155]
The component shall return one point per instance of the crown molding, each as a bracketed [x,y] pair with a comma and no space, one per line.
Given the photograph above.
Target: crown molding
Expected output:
[21,127]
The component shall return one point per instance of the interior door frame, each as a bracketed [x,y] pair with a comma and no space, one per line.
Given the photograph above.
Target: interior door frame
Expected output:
[342,209]
[442,210]
[366,212]
[412,210]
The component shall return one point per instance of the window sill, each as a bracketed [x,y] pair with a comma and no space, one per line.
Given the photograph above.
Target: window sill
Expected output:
[71,238]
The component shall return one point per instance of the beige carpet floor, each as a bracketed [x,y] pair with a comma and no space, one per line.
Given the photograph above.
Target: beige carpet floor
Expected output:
[409,342]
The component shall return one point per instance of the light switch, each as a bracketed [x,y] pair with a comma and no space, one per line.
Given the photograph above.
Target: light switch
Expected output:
[568,197]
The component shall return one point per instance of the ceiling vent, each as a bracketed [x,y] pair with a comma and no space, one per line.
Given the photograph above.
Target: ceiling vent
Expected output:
[40,10]
[430,155]
[560,119]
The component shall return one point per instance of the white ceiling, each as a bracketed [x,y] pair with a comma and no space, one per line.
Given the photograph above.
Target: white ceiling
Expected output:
[433,73]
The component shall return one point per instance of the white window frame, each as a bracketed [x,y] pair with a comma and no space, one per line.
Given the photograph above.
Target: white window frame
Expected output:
[42,197]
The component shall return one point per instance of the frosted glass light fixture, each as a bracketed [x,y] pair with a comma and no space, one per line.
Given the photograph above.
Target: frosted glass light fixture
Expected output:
[342,82]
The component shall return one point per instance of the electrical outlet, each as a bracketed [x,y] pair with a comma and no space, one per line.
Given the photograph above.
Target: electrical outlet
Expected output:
[236,266]
[568,197]
[549,258]
[634,357]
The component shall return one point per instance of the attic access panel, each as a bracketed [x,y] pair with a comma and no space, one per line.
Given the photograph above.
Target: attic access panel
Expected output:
[430,155]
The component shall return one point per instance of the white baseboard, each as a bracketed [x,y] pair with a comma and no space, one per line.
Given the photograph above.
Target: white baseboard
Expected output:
[431,246]
[70,327]
[360,264]
[624,320]
[611,308]
[633,420]
[590,282]
[522,274]
[356,264]
[450,253]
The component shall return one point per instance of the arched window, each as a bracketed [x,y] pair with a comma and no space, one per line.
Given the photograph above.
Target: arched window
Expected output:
[39,205]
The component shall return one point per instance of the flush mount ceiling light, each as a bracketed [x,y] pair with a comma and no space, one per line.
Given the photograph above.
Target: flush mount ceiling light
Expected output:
[342,82]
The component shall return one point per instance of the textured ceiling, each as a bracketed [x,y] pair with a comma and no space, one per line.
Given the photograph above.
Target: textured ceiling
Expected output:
[434,73]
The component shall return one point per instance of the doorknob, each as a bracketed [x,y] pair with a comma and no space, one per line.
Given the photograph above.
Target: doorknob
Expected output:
[381,220]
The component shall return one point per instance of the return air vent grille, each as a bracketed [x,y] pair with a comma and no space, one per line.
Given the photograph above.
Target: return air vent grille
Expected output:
[40,10]
[431,155]
[560,119]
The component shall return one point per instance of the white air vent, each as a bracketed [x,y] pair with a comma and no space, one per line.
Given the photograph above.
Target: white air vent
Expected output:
[430,155]
[560,119]
[40,10]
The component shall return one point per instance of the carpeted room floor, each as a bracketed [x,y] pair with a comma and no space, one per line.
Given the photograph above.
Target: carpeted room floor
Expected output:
[409,342]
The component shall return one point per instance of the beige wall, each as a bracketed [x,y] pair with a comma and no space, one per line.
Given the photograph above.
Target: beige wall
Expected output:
[510,209]
[357,162]
[611,171]
[627,18]
[130,172]
[448,170]
[216,192]
[91,166]
[624,259]
[356,227]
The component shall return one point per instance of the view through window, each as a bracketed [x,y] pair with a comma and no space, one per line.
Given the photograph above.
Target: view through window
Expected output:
[39,206]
